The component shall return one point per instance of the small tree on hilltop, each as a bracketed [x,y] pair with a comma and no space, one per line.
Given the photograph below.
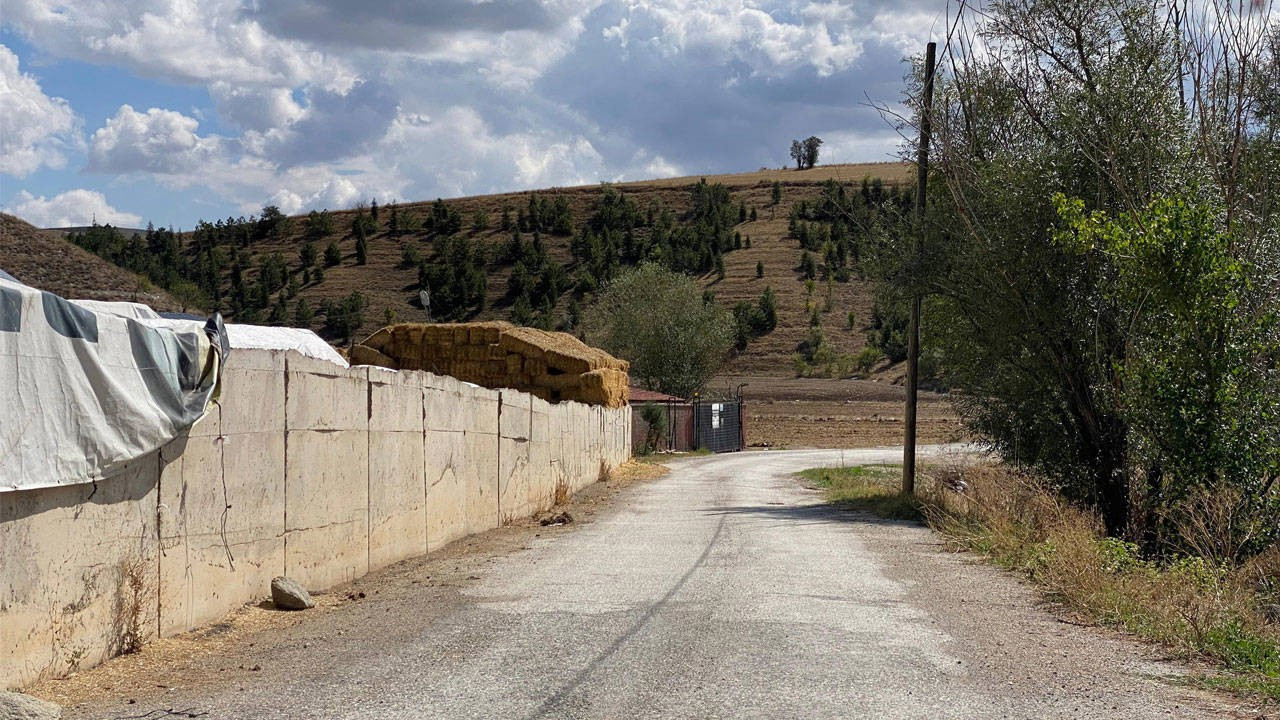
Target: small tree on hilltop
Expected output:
[810,150]
[797,153]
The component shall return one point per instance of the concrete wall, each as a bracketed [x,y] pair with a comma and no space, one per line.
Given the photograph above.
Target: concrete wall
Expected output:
[303,469]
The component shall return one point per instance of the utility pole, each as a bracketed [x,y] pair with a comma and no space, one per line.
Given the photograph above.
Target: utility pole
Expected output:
[913,332]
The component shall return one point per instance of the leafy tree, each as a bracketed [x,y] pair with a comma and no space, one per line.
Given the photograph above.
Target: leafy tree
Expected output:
[797,153]
[655,318]
[810,150]
[1091,334]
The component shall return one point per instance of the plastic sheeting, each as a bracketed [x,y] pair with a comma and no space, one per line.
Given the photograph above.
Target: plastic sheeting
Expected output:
[86,389]
[247,337]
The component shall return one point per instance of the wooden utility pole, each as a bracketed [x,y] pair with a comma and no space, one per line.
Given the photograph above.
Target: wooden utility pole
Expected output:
[913,332]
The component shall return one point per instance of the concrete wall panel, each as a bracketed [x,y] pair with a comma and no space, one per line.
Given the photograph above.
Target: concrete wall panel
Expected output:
[515,496]
[79,565]
[335,400]
[397,497]
[542,479]
[221,527]
[326,506]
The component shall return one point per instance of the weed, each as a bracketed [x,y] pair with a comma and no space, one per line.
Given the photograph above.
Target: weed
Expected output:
[867,488]
[130,603]
[1195,606]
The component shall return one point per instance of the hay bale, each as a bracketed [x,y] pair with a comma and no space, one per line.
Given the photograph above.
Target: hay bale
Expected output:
[549,365]
[365,355]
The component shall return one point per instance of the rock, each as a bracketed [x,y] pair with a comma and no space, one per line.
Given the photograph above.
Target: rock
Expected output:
[16,706]
[289,595]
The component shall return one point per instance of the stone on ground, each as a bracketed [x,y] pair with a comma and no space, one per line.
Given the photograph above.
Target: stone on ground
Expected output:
[289,595]
[16,706]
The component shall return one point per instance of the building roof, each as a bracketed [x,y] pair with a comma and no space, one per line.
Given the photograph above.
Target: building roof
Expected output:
[640,395]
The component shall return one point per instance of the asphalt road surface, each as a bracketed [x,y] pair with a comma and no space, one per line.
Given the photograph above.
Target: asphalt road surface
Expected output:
[722,590]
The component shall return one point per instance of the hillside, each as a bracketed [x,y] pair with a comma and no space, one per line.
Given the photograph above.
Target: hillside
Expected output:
[784,410]
[390,286]
[47,261]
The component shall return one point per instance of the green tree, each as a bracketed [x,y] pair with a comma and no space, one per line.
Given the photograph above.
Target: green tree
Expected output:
[307,254]
[332,254]
[655,318]
[1063,369]
[318,225]
[797,153]
[759,268]
[810,150]
[775,193]
[303,315]
[362,249]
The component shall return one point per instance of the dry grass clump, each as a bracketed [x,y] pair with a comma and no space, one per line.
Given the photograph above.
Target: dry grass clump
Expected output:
[1197,606]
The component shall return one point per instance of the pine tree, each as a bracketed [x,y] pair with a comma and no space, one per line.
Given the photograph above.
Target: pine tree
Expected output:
[362,250]
[303,314]
[759,269]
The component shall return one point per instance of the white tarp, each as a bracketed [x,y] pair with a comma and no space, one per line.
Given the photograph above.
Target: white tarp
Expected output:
[83,391]
[282,338]
[247,337]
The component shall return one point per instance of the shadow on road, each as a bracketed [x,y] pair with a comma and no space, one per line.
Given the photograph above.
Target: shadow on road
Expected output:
[813,514]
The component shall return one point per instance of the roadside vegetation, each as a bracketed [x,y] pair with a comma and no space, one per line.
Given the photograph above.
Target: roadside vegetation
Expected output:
[1199,608]
[866,488]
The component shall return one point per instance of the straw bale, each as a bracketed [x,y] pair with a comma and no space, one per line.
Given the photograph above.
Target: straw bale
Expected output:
[365,355]
[522,340]
[379,340]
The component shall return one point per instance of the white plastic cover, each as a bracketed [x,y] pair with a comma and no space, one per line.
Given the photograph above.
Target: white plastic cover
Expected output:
[248,337]
[85,391]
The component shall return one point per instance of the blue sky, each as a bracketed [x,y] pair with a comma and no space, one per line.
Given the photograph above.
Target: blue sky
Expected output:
[170,111]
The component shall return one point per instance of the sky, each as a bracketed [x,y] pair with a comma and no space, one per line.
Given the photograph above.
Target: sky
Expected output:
[172,111]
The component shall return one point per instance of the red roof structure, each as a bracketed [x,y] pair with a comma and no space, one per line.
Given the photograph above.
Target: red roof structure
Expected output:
[639,395]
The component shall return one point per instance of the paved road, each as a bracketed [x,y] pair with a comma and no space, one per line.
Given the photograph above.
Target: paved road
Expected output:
[723,590]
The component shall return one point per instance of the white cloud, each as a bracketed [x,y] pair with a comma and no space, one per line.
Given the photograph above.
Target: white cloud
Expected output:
[820,36]
[72,208]
[199,41]
[36,130]
[158,141]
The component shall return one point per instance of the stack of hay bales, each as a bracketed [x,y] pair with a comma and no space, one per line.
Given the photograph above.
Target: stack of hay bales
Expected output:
[551,365]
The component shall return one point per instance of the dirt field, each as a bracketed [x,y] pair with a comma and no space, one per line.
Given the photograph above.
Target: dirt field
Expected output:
[821,413]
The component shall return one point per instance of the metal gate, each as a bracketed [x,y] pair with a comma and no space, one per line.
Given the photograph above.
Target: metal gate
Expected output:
[718,426]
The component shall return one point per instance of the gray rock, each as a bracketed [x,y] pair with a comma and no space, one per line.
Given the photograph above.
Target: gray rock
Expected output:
[289,595]
[16,706]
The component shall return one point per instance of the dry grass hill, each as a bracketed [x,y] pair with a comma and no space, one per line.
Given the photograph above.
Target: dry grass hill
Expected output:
[45,260]
[389,285]
[784,410]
